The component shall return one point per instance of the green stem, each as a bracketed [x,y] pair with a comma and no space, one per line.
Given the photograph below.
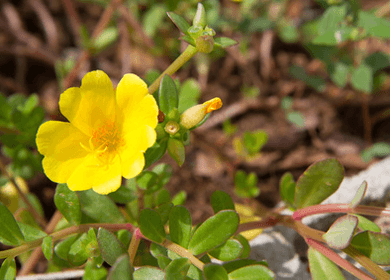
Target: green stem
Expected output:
[340,208]
[337,259]
[189,52]
[60,235]
[183,252]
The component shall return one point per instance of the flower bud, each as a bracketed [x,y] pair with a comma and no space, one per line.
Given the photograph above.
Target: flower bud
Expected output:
[204,43]
[200,16]
[194,115]
[172,127]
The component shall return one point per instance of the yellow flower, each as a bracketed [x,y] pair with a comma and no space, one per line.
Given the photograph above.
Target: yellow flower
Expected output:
[106,137]
[196,114]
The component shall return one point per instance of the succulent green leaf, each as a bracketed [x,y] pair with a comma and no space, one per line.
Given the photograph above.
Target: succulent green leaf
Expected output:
[220,200]
[168,98]
[380,149]
[252,272]
[365,224]
[106,38]
[92,272]
[62,248]
[177,269]
[31,233]
[213,271]
[375,26]
[149,273]
[10,233]
[234,265]
[78,253]
[121,269]
[214,232]
[158,250]
[180,225]
[341,232]
[164,210]
[231,250]
[246,249]
[189,94]
[163,261]
[318,182]
[123,195]
[331,18]
[323,268]
[146,180]
[68,203]
[363,78]
[156,152]
[176,150]
[359,195]
[110,247]
[8,269]
[47,247]
[180,22]
[100,207]
[374,245]
[339,72]
[151,225]
[287,188]
[179,198]
[224,42]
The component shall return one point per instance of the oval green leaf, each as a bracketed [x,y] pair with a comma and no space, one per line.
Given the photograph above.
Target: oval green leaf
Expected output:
[168,98]
[287,188]
[323,268]
[109,245]
[177,269]
[359,195]
[121,269]
[10,233]
[213,271]
[366,224]
[180,225]
[68,203]
[151,225]
[220,200]
[100,207]
[214,232]
[341,232]
[8,269]
[246,249]
[179,21]
[176,150]
[231,250]
[318,182]
[252,272]
[149,273]
[374,245]
[47,247]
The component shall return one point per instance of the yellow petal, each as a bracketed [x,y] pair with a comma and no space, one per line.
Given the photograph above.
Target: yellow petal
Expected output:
[132,166]
[61,140]
[92,173]
[130,91]
[60,171]
[91,105]
[213,104]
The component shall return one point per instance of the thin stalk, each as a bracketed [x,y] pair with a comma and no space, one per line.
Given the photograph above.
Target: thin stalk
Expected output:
[183,252]
[338,260]
[134,243]
[189,52]
[340,208]
[60,235]
[368,264]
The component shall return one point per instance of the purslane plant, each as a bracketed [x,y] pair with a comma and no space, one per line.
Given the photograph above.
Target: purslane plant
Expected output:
[119,133]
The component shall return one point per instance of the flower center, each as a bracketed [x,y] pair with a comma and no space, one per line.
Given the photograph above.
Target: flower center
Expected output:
[106,138]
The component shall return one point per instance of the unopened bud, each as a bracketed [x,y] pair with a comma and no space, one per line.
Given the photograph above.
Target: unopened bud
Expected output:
[194,115]
[204,43]
[200,16]
[172,127]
